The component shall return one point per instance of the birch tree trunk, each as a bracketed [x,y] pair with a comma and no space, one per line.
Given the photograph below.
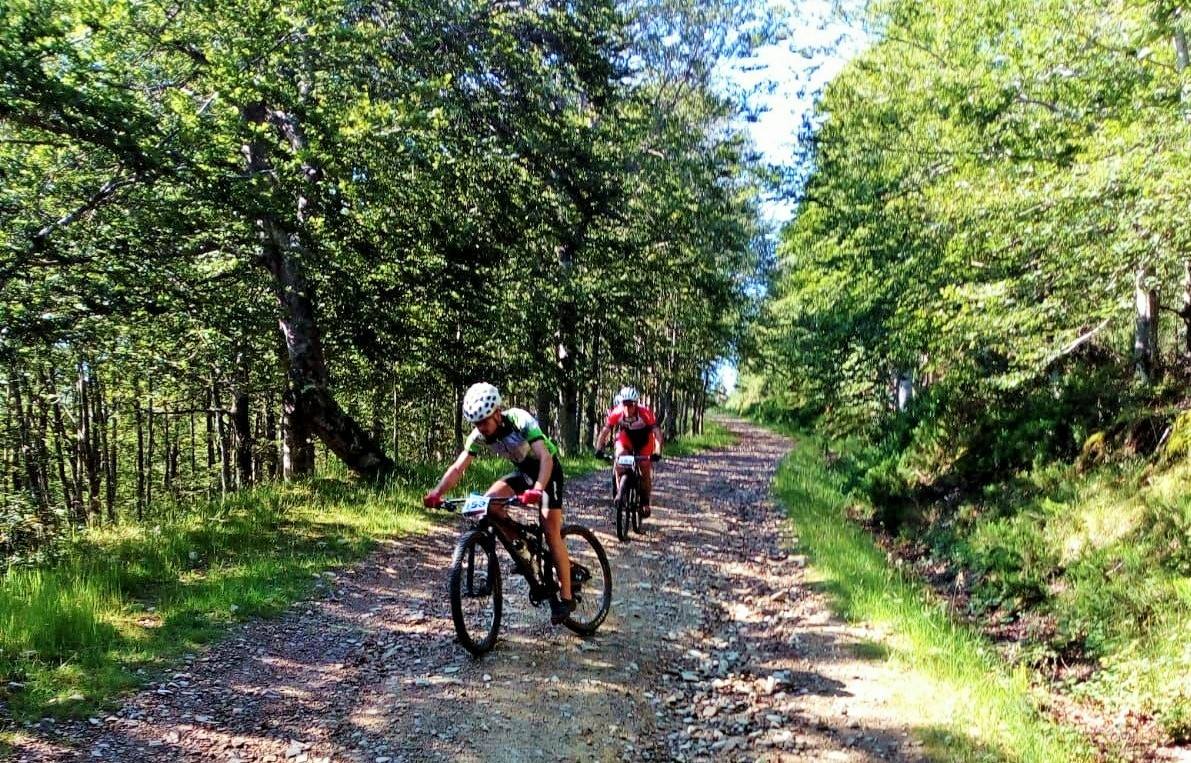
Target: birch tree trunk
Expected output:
[1145,334]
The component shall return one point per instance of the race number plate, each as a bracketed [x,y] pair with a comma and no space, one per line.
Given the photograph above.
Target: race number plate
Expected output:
[626,460]
[475,506]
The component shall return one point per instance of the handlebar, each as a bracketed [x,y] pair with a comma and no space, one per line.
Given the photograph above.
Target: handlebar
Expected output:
[454,504]
[651,457]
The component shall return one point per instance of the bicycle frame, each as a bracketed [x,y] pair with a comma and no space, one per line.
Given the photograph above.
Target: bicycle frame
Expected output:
[539,572]
[635,473]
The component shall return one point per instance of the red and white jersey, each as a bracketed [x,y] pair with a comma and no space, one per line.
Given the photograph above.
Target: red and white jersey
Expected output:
[634,432]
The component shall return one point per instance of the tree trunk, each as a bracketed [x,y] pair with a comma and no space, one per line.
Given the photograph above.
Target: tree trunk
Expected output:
[210,480]
[193,453]
[112,466]
[12,460]
[283,255]
[395,446]
[1145,335]
[593,395]
[297,449]
[222,441]
[270,454]
[568,383]
[140,459]
[903,386]
[1186,311]
[94,447]
[39,424]
[31,478]
[103,453]
[89,466]
[544,407]
[168,437]
[69,498]
[458,417]
[149,447]
[242,424]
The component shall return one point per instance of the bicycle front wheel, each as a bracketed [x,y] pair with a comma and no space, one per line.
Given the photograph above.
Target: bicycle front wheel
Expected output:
[474,589]
[591,580]
[622,508]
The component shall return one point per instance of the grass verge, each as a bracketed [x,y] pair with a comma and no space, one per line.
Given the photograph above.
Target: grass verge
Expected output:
[970,705]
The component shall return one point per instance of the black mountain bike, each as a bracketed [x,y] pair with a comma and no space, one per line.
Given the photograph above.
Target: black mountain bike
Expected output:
[474,586]
[628,501]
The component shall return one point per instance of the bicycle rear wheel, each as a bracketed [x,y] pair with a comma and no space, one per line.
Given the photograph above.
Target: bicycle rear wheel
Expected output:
[591,580]
[474,589]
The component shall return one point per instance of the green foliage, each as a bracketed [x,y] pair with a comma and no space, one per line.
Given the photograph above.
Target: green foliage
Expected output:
[539,196]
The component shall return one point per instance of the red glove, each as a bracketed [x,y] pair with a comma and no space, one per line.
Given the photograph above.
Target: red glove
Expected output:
[531,497]
[432,500]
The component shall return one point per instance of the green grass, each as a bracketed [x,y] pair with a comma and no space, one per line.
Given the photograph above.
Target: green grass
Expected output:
[124,602]
[126,599]
[970,705]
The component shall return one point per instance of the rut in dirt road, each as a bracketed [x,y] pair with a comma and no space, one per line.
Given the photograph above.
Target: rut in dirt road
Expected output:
[714,649]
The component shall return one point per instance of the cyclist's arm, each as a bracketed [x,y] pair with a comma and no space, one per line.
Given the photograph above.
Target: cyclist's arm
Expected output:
[545,464]
[657,439]
[602,440]
[454,473]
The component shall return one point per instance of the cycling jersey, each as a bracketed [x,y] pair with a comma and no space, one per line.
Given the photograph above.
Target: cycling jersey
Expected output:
[633,432]
[518,429]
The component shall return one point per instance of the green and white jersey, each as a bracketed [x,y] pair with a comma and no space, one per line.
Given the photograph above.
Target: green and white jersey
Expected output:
[518,429]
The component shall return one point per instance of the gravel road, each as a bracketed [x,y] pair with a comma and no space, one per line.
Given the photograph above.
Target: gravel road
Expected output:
[716,648]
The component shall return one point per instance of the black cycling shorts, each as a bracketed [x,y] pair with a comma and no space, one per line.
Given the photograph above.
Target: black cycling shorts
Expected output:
[520,481]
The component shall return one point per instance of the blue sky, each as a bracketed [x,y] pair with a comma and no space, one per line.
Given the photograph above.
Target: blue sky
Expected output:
[787,76]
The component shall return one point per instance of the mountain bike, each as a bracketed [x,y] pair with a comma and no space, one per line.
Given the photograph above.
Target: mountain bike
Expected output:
[628,499]
[474,585]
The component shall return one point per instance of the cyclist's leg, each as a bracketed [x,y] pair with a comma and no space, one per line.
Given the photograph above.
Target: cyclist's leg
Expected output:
[551,518]
[506,487]
[552,524]
[624,447]
[620,449]
[646,468]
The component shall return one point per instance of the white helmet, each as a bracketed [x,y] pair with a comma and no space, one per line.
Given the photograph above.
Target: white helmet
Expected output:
[481,400]
[628,394]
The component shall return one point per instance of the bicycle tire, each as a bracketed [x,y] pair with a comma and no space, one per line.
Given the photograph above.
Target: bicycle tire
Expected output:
[591,580]
[636,509]
[475,556]
[622,508]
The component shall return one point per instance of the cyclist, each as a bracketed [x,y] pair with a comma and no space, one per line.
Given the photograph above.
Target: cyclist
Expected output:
[637,432]
[514,433]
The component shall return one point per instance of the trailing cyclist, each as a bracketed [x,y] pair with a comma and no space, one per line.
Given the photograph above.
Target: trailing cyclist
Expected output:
[515,434]
[637,432]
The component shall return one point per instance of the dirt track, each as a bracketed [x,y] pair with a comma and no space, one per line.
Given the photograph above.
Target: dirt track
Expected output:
[715,648]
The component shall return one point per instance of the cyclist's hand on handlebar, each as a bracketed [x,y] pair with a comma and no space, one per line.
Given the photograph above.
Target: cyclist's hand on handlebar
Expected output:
[601,453]
[531,497]
[655,457]
[432,500]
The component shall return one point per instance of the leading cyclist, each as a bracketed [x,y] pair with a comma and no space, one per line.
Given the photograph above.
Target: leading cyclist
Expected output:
[515,434]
